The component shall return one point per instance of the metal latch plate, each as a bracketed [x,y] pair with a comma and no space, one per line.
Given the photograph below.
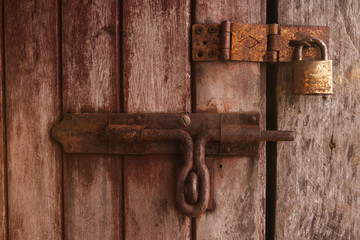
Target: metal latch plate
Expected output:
[253,42]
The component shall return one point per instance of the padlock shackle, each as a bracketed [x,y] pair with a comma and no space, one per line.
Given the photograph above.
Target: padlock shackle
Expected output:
[311,40]
[299,52]
[322,46]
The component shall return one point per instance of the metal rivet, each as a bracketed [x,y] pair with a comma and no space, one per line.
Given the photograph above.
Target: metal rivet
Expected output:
[227,149]
[253,119]
[199,30]
[212,54]
[212,29]
[184,120]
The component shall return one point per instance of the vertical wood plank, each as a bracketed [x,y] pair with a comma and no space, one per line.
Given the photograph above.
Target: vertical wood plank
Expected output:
[32,107]
[92,183]
[3,167]
[318,175]
[156,79]
[233,87]
[156,58]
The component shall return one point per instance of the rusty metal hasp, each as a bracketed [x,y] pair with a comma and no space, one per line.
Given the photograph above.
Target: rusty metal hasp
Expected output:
[192,135]
[253,42]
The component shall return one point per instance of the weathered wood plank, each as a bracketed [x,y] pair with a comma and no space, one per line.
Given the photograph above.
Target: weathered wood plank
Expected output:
[90,55]
[92,183]
[318,175]
[150,209]
[156,58]
[93,197]
[32,107]
[156,79]
[3,167]
[233,87]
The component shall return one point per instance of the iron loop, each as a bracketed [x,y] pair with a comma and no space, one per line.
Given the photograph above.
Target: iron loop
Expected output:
[195,210]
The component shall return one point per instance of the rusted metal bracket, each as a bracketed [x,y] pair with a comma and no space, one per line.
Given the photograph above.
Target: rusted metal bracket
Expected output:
[253,42]
[163,133]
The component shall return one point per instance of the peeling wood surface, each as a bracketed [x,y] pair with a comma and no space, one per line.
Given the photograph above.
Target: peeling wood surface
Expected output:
[92,183]
[318,175]
[3,183]
[32,107]
[156,79]
[233,87]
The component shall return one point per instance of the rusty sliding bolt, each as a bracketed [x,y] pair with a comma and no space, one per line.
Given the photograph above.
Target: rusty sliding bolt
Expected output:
[238,134]
[193,183]
[192,201]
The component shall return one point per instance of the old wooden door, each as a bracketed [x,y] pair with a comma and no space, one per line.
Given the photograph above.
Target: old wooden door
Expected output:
[61,56]
[120,56]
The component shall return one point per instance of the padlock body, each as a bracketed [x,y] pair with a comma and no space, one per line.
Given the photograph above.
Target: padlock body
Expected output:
[312,76]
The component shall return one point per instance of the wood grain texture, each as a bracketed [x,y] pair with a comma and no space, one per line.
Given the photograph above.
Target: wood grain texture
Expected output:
[233,87]
[156,79]
[93,197]
[318,175]
[92,183]
[150,209]
[156,56]
[3,167]
[32,107]
[90,55]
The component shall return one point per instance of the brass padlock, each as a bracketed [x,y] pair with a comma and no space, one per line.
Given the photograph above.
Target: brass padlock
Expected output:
[312,76]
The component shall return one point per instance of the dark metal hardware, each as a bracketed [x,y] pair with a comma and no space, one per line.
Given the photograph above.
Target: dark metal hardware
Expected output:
[252,42]
[236,134]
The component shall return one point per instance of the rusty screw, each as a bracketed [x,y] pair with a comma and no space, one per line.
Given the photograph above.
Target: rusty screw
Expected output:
[199,30]
[184,120]
[253,119]
[212,29]
[212,54]
[227,149]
